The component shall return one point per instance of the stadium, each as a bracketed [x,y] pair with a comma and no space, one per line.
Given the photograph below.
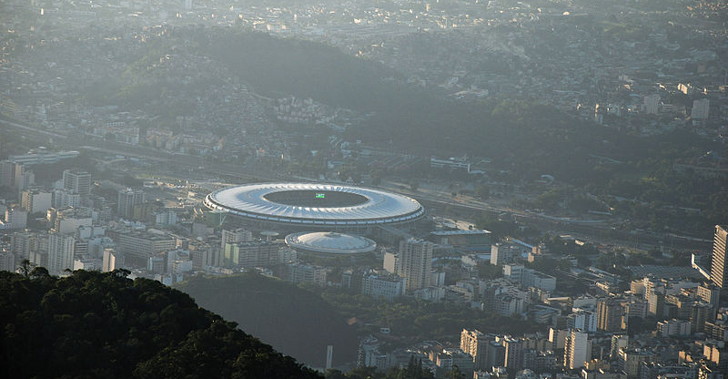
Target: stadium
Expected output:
[330,244]
[318,206]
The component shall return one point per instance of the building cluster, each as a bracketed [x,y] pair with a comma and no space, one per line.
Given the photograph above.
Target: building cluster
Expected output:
[658,328]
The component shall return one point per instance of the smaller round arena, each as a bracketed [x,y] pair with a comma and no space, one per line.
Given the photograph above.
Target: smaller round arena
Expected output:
[330,244]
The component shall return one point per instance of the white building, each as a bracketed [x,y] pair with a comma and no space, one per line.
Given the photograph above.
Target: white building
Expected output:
[577,349]
[386,287]
[36,200]
[61,250]
[415,263]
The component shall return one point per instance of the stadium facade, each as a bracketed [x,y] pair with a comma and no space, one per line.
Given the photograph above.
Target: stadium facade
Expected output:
[307,206]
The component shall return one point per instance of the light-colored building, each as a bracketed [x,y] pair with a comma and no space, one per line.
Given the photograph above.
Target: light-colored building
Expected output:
[126,201]
[61,249]
[415,263]
[718,269]
[77,181]
[475,343]
[387,287]
[36,200]
[252,254]
[577,349]
[235,236]
[138,247]
[15,218]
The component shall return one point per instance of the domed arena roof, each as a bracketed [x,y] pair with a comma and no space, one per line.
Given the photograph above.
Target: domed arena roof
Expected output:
[330,243]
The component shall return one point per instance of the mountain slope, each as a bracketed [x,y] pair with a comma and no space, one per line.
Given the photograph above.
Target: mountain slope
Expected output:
[294,321]
[105,325]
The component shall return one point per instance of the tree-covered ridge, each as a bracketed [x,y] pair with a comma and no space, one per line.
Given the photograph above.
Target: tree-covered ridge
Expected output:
[92,324]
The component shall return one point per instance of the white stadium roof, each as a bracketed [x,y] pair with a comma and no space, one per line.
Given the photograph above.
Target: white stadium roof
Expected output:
[307,204]
[330,242]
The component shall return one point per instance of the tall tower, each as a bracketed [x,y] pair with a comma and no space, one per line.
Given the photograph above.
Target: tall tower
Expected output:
[128,198]
[475,343]
[61,249]
[415,263]
[577,349]
[77,181]
[610,314]
[717,267]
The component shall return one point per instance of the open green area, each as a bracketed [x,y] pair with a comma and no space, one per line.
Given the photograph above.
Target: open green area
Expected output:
[95,325]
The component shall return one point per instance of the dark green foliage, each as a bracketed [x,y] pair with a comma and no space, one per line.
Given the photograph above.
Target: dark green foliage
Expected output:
[418,320]
[105,325]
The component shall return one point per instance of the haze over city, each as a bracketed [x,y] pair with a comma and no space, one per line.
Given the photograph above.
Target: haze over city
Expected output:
[364,189]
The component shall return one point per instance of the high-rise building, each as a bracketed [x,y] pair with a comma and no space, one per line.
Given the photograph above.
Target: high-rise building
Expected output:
[127,199]
[610,315]
[61,249]
[137,247]
[415,263]
[35,200]
[252,254]
[514,353]
[111,260]
[475,343]
[77,181]
[235,236]
[577,349]
[718,265]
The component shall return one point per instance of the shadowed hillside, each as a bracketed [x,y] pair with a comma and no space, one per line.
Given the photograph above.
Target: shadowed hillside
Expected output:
[293,320]
[96,325]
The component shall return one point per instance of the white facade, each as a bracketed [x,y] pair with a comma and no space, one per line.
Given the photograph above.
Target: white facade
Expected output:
[34,200]
[415,263]
[61,249]
[576,350]
[383,286]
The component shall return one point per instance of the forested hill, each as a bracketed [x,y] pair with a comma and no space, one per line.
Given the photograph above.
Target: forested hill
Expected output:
[295,321]
[520,135]
[105,325]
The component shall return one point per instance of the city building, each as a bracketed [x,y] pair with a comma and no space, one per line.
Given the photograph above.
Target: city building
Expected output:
[415,263]
[577,349]
[61,249]
[36,200]
[235,236]
[127,199]
[252,254]
[475,343]
[718,266]
[138,247]
[77,181]
[610,315]
[387,287]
